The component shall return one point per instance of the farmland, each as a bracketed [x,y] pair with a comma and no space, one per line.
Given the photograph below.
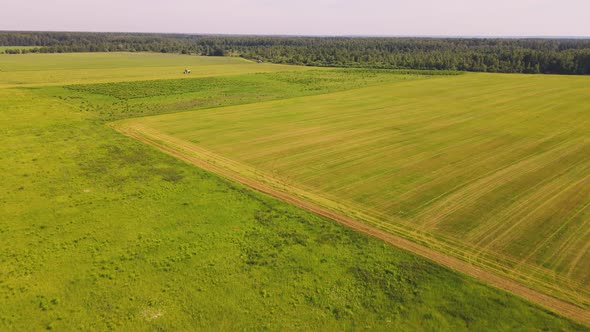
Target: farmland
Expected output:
[100,231]
[489,168]
[58,69]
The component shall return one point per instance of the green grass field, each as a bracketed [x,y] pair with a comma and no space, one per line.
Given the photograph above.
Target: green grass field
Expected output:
[60,69]
[491,168]
[99,231]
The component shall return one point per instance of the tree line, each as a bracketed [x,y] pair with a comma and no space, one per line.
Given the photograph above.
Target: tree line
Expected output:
[550,56]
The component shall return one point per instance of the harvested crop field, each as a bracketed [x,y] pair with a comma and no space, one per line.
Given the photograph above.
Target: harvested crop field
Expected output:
[492,169]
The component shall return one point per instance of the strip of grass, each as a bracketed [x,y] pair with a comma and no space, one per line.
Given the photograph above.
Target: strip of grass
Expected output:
[141,98]
[321,81]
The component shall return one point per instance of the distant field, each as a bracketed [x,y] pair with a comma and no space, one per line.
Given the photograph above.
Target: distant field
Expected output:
[490,168]
[60,69]
[101,232]
[140,98]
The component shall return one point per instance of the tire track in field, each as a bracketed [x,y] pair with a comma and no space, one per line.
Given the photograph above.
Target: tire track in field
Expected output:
[564,308]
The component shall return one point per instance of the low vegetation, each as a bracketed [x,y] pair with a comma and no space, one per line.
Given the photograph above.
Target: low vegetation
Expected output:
[321,81]
[489,168]
[17,49]
[140,98]
[99,231]
[33,70]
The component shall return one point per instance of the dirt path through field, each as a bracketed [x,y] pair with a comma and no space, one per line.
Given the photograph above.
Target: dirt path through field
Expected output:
[561,307]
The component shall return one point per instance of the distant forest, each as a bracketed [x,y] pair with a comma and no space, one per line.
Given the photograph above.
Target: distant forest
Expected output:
[550,56]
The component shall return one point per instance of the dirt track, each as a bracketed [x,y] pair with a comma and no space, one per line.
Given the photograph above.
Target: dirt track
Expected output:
[561,307]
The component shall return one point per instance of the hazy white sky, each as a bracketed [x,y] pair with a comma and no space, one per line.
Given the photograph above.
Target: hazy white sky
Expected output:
[307,17]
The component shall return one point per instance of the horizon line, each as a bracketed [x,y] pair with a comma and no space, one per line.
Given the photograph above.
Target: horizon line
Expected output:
[317,35]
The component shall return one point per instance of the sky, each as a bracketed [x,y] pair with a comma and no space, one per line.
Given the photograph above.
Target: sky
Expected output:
[304,17]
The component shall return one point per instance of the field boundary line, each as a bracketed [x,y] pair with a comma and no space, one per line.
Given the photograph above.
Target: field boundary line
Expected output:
[151,137]
[559,288]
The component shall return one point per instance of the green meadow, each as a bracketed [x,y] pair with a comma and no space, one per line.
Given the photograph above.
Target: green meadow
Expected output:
[102,232]
[69,68]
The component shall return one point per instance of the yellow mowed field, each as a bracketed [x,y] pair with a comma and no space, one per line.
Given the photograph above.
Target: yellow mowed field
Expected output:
[491,168]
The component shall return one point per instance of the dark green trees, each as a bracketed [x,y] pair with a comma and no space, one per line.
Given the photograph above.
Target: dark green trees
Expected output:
[555,56]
